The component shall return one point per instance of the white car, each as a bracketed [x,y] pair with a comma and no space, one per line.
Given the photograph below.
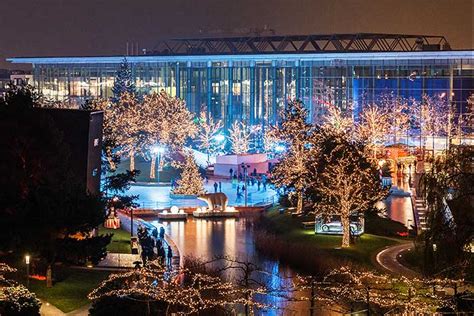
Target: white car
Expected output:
[336,226]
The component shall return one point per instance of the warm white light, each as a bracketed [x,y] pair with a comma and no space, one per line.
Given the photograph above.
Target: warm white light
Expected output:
[27,259]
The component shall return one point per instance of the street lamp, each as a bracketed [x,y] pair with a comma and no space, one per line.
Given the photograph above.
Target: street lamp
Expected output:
[157,151]
[245,169]
[27,261]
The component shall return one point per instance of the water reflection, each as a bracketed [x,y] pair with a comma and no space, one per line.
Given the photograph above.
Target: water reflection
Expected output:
[207,239]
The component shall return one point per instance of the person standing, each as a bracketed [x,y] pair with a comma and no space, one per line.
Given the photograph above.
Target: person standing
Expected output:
[231,172]
[220,186]
[215,187]
[169,256]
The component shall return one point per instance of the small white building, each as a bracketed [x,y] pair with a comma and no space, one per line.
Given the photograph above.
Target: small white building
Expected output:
[256,162]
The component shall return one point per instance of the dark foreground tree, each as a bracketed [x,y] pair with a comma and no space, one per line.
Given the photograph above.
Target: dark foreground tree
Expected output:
[449,191]
[41,201]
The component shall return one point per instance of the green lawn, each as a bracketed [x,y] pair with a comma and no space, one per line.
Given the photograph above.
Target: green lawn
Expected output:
[71,292]
[290,229]
[120,240]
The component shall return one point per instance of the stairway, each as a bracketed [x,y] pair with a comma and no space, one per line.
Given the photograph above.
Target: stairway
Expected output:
[421,214]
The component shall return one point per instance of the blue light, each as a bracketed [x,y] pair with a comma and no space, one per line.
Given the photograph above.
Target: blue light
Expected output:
[158,149]
[219,138]
[279,148]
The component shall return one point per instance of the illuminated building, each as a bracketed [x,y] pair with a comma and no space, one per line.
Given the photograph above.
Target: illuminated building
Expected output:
[249,79]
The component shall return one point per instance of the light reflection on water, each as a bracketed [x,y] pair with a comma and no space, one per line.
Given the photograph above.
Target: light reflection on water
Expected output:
[206,239]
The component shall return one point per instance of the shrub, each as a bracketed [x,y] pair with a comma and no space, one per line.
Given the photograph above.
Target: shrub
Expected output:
[17,300]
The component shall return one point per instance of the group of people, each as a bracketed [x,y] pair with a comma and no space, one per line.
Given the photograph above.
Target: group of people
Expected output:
[153,245]
[253,179]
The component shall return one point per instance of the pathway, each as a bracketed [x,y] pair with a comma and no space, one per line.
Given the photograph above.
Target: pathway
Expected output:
[47,309]
[387,259]
[158,196]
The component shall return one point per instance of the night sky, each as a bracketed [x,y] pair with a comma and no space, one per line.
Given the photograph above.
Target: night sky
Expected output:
[99,27]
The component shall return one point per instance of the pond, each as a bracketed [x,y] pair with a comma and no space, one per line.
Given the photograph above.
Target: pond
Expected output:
[207,239]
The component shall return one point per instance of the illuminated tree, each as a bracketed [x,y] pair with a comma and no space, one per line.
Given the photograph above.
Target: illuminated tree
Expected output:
[190,182]
[124,82]
[337,119]
[346,181]
[15,299]
[160,291]
[129,121]
[294,132]
[432,116]
[167,123]
[207,136]
[239,135]
[396,108]
[373,126]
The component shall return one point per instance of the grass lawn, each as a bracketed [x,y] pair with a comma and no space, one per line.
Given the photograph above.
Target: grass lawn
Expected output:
[71,292]
[362,252]
[120,240]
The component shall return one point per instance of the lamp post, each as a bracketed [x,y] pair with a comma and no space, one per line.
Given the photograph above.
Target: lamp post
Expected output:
[27,261]
[157,151]
[245,169]
[131,222]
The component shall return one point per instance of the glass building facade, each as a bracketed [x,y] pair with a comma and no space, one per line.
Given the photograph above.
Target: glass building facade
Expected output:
[252,88]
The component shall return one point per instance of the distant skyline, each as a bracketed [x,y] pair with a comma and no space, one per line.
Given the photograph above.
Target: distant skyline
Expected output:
[100,27]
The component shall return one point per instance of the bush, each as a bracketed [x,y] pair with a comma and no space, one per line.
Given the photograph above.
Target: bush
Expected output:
[382,226]
[17,300]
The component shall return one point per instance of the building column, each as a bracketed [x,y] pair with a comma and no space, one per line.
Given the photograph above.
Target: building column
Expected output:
[274,103]
[189,102]
[252,92]
[209,89]
[229,109]
[177,80]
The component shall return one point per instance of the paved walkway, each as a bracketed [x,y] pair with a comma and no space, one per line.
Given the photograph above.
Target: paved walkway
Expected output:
[387,259]
[48,309]
[158,197]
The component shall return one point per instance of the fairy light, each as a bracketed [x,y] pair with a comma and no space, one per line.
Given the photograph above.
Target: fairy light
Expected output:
[190,182]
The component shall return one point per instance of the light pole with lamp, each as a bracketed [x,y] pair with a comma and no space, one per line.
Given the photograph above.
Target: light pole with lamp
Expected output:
[157,151]
[27,261]
[245,169]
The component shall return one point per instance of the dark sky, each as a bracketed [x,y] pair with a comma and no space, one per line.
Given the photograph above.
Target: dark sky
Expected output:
[100,27]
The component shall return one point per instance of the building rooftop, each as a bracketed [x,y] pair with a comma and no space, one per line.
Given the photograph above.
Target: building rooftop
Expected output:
[360,42]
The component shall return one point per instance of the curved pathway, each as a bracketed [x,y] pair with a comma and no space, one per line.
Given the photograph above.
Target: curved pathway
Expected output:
[387,259]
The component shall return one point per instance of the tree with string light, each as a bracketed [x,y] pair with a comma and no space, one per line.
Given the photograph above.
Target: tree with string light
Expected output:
[239,136]
[373,126]
[337,119]
[344,180]
[190,181]
[294,132]
[397,109]
[208,135]
[167,124]
[153,289]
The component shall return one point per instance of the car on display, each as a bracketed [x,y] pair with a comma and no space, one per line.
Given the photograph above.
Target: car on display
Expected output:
[336,227]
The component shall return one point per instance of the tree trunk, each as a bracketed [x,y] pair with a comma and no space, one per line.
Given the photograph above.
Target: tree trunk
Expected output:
[132,160]
[153,167]
[49,276]
[111,163]
[345,231]
[299,205]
